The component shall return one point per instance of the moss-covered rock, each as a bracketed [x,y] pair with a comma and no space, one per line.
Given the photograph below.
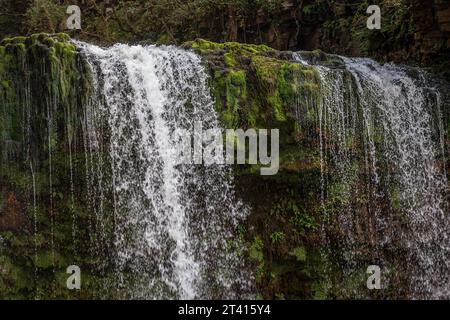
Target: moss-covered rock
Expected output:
[254,86]
[258,87]
[45,85]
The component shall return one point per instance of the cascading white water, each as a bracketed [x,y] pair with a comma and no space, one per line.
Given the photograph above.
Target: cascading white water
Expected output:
[392,116]
[404,107]
[174,223]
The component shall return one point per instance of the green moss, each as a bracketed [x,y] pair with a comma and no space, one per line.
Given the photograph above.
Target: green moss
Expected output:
[256,250]
[15,40]
[252,85]
[237,79]
[229,59]
[256,254]
[59,81]
[202,45]
[237,49]
[13,274]
[63,37]
[277,106]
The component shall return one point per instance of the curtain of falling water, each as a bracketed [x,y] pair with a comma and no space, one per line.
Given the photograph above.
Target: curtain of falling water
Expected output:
[387,120]
[174,223]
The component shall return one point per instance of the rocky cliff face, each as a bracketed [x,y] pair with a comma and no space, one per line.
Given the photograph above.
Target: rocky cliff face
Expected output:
[47,219]
[327,163]
[413,31]
[431,32]
[44,84]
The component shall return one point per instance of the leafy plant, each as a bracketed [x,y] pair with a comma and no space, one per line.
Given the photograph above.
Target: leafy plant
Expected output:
[277,237]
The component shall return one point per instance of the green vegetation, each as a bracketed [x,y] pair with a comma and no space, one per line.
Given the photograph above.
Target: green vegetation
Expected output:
[45,84]
[407,34]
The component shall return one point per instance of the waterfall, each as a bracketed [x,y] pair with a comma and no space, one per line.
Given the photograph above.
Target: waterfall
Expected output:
[92,151]
[404,107]
[381,140]
[174,224]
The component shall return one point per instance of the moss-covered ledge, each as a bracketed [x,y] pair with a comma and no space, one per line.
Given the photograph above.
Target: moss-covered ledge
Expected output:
[255,86]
